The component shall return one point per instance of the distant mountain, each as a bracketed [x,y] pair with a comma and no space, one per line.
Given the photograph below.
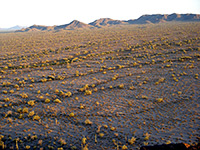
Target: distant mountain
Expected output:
[104,22]
[12,28]
[75,24]
[158,18]
[37,28]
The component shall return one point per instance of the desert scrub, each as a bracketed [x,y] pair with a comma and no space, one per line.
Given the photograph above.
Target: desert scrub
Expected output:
[113,128]
[124,147]
[101,135]
[81,106]
[19,110]
[68,94]
[5,92]
[36,117]
[16,86]
[144,97]
[57,101]
[41,97]
[132,140]
[159,100]
[31,102]
[179,92]
[168,142]
[95,89]
[6,99]
[25,110]
[2,145]
[102,88]
[147,135]
[97,103]
[88,92]
[160,81]
[88,122]
[31,85]
[38,92]
[61,93]
[9,120]
[121,86]
[51,77]
[23,95]
[27,147]
[131,88]
[47,100]
[6,84]
[62,141]
[84,140]
[71,114]
[31,113]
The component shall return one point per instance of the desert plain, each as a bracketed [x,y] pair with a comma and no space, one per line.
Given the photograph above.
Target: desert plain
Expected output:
[118,87]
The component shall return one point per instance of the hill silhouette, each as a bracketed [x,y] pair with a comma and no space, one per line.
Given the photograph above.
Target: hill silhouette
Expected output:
[37,28]
[158,18]
[75,24]
[104,22]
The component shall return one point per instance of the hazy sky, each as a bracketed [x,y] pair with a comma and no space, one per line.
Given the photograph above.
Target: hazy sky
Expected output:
[57,12]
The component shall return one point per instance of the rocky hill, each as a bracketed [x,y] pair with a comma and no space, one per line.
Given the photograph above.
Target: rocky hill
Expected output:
[105,22]
[75,24]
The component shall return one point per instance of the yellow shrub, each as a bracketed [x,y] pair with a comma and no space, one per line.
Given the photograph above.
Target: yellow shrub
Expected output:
[47,100]
[36,117]
[31,114]
[31,103]
[25,110]
[57,101]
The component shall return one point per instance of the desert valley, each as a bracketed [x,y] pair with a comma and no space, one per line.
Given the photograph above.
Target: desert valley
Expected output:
[109,84]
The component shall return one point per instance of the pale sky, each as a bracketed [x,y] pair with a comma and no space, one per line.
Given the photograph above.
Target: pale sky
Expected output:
[58,12]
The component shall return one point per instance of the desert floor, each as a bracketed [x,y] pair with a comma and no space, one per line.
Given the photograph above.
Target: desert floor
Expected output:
[117,87]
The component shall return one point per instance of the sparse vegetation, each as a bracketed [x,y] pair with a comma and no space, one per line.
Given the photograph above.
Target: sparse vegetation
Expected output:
[119,87]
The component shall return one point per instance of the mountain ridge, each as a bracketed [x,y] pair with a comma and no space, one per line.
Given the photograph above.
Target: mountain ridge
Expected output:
[104,22]
[158,18]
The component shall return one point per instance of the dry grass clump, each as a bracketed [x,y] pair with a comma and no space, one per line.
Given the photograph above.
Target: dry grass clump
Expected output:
[31,113]
[25,110]
[88,92]
[71,114]
[31,102]
[159,100]
[132,140]
[36,117]
[47,100]
[57,101]
[24,95]
[88,122]
[121,86]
